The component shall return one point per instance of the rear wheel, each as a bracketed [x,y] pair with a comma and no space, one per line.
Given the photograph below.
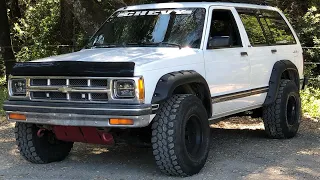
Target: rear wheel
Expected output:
[282,118]
[40,150]
[180,136]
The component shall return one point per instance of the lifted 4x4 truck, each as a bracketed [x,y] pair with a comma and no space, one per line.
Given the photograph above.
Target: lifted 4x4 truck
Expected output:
[158,75]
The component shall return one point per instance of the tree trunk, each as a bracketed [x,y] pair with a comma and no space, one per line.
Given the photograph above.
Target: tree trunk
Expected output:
[88,13]
[5,40]
[14,16]
[66,27]
[15,12]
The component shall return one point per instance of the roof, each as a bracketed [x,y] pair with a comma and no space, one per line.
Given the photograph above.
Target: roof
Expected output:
[194,5]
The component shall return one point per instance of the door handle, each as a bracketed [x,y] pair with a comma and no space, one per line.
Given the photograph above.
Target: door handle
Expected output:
[274,51]
[244,54]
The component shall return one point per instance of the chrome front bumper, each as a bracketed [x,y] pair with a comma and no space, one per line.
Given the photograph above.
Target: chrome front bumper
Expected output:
[75,114]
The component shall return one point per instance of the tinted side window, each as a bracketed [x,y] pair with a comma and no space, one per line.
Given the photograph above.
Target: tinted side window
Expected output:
[267,30]
[253,27]
[224,32]
[280,31]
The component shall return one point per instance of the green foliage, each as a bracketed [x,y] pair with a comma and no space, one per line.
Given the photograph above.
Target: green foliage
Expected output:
[3,93]
[311,102]
[37,30]
[308,28]
[2,81]
[3,97]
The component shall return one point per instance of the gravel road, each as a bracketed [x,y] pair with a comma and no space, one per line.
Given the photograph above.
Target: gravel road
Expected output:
[238,151]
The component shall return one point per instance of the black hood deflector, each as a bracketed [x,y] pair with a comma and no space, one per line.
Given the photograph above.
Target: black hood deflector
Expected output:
[74,68]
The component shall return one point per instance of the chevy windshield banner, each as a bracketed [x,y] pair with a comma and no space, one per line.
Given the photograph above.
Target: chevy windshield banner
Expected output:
[153,12]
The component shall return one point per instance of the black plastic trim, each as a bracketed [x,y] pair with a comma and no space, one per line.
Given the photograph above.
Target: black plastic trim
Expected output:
[304,83]
[74,68]
[169,82]
[238,95]
[278,69]
[78,108]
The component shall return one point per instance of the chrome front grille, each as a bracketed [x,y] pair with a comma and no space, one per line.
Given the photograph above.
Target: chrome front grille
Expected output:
[39,82]
[70,89]
[79,82]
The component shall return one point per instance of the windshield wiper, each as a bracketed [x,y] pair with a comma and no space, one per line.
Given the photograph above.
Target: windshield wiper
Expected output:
[104,46]
[154,44]
[136,44]
[96,45]
[170,44]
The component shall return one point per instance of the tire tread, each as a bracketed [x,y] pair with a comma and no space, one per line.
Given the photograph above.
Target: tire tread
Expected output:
[165,156]
[165,135]
[272,114]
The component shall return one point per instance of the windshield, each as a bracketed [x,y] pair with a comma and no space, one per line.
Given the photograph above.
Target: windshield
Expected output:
[165,27]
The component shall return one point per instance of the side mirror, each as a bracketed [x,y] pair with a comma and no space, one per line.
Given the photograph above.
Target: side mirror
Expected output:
[219,42]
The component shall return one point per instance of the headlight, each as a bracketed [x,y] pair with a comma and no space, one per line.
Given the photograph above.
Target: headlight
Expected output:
[124,89]
[18,87]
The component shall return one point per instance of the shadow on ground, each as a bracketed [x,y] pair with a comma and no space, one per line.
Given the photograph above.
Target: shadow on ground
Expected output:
[238,151]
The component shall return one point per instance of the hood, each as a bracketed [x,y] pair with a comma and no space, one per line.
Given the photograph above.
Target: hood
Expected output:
[140,55]
[107,62]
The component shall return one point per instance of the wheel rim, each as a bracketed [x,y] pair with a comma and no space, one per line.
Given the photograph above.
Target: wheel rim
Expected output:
[292,110]
[193,135]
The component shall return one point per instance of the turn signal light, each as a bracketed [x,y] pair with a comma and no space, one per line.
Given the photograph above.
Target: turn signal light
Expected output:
[121,121]
[141,89]
[15,116]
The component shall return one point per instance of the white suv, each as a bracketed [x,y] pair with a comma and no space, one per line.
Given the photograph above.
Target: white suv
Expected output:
[153,75]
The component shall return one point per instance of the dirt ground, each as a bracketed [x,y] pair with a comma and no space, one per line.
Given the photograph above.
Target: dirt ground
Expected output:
[239,150]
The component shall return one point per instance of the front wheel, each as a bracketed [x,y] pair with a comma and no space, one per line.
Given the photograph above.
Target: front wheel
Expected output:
[180,136]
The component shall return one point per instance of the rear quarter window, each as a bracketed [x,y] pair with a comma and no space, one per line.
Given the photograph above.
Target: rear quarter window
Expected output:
[279,29]
[266,27]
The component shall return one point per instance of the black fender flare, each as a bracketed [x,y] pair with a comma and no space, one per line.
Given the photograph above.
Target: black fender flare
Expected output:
[277,71]
[169,82]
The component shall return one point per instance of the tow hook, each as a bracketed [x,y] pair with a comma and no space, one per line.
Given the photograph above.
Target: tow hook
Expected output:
[107,138]
[41,132]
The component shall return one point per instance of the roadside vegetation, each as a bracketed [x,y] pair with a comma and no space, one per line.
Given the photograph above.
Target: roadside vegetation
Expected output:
[3,93]
[3,97]
[311,102]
